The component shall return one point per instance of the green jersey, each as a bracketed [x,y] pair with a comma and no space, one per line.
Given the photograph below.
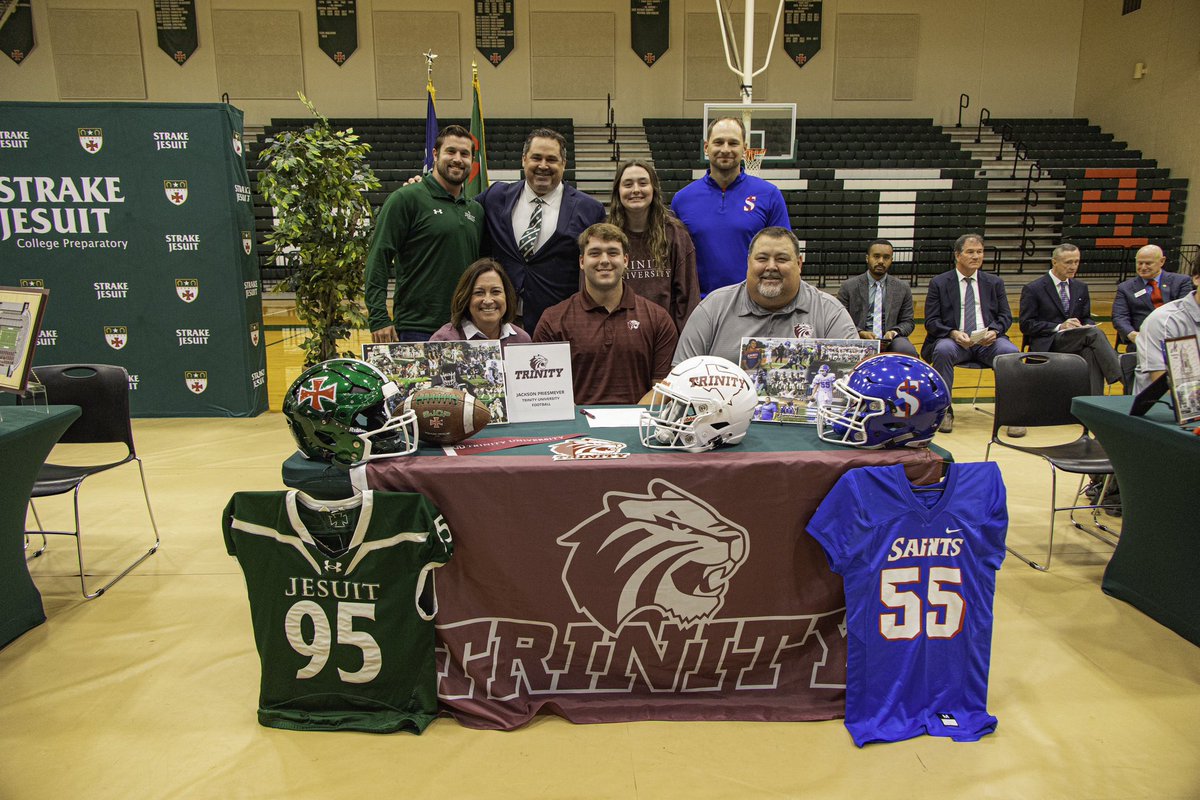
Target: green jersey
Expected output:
[341,606]
[427,238]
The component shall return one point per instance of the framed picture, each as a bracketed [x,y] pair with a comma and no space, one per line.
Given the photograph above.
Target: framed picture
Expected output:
[793,377]
[21,312]
[1183,372]
[474,367]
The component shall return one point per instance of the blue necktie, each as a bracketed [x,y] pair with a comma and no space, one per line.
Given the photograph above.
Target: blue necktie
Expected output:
[1066,298]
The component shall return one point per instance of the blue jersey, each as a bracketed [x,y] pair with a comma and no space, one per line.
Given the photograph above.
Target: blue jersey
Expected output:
[920,571]
[769,410]
[723,221]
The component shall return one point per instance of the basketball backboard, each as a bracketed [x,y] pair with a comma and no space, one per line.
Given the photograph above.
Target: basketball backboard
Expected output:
[768,125]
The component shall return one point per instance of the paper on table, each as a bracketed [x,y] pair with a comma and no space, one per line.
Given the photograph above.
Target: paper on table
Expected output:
[613,417]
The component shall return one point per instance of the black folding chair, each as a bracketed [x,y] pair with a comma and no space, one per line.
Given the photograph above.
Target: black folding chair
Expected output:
[102,391]
[1035,390]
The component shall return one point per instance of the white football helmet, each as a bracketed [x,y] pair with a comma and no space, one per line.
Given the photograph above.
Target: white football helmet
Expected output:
[703,402]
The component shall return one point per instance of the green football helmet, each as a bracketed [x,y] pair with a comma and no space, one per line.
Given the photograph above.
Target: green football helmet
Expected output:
[341,411]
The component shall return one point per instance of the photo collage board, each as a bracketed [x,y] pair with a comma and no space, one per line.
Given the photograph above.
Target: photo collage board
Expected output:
[793,377]
[475,367]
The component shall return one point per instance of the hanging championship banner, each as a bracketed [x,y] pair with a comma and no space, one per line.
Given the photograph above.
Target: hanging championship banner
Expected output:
[801,29]
[176,24]
[494,29]
[337,28]
[650,23]
[16,29]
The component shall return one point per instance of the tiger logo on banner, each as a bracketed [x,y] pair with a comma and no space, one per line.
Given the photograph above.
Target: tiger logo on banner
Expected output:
[196,381]
[117,336]
[187,289]
[91,139]
[587,449]
[176,191]
[666,550]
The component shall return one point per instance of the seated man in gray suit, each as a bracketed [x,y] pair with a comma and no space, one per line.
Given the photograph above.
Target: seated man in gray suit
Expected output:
[880,305]
[1056,317]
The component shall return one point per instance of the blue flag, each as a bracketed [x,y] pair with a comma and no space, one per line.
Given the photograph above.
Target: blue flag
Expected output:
[431,127]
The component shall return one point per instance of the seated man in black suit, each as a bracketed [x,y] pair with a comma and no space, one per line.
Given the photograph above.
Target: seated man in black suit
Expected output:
[880,305]
[1152,287]
[1056,317]
[532,226]
[966,317]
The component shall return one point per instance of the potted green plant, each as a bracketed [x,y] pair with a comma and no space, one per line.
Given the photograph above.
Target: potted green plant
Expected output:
[315,180]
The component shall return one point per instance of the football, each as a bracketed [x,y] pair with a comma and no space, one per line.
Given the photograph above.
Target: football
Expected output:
[446,416]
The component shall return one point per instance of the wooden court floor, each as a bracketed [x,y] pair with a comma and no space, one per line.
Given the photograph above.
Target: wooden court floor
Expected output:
[150,691]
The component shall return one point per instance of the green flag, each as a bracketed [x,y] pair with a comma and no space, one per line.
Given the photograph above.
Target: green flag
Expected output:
[479,179]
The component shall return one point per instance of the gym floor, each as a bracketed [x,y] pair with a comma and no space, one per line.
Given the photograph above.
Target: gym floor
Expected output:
[150,691]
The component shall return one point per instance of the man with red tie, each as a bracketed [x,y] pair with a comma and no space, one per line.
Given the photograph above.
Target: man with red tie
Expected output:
[1056,317]
[1138,296]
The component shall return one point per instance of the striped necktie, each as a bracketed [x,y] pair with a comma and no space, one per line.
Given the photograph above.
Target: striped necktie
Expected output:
[1064,297]
[529,238]
[969,307]
[877,309]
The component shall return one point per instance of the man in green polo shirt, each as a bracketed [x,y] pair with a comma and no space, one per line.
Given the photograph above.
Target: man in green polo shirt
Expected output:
[427,233]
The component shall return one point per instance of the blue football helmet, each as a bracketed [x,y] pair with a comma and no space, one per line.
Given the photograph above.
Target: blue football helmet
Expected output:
[889,400]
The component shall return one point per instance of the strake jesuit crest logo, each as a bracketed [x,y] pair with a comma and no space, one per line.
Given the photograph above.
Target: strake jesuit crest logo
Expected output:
[667,553]
[254,333]
[117,336]
[176,191]
[237,143]
[188,289]
[91,139]
[196,380]
[247,242]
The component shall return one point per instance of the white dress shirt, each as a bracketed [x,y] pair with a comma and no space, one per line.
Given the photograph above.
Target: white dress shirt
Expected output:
[551,203]
[969,325]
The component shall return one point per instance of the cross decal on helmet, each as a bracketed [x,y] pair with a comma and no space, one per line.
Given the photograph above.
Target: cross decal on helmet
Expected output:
[315,393]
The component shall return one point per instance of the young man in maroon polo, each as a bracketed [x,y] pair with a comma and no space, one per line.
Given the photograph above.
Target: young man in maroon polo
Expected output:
[621,343]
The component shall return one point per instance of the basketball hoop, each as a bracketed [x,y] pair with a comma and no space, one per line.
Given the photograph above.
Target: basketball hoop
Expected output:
[754,159]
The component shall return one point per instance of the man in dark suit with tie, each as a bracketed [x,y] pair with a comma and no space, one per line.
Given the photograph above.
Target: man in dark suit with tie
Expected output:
[966,318]
[1152,287]
[1056,317]
[880,305]
[532,226]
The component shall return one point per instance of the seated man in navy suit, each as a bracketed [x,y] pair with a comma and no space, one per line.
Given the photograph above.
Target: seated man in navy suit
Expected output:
[532,226]
[1056,317]
[1152,287]
[966,317]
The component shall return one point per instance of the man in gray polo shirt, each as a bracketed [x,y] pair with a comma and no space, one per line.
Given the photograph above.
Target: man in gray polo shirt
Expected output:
[771,303]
